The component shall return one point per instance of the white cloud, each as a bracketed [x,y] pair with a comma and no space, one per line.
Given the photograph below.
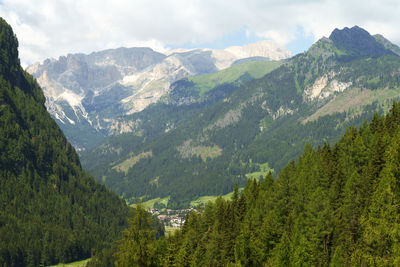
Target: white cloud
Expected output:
[50,28]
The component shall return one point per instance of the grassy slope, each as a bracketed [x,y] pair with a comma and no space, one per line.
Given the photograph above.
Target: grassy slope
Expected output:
[205,199]
[264,170]
[73,264]
[256,69]
[353,100]
[149,204]
[131,161]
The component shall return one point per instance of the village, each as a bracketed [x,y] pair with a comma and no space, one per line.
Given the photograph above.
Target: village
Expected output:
[171,218]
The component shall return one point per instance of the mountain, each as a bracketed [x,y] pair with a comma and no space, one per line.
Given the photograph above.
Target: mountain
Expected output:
[87,94]
[77,85]
[51,210]
[357,42]
[334,206]
[250,126]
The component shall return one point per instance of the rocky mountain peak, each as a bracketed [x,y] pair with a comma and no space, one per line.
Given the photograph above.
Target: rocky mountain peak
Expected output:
[265,48]
[357,42]
[139,57]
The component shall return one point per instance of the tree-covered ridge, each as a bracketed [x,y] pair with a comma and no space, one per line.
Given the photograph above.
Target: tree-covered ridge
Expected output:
[335,206]
[265,120]
[50,209]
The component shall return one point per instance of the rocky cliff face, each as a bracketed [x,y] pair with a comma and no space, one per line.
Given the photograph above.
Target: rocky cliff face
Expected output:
[87,93]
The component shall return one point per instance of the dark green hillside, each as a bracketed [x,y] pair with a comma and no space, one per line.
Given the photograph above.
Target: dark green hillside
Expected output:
[334,206]
[310,98]
[50,209]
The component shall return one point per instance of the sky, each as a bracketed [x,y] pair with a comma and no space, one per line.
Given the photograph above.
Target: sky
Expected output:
[52,28]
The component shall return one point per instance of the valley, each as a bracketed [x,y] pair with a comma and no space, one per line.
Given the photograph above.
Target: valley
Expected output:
[209,119]
[204,141]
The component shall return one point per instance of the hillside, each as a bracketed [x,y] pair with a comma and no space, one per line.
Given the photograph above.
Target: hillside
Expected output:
[310,98]
[51,210]
[334,206]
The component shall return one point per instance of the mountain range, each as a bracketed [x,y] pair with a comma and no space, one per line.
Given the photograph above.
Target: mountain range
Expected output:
[206,136]
[190,123]
[88,94]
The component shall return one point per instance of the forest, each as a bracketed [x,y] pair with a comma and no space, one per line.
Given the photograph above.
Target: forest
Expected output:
[335,205]
[51,210]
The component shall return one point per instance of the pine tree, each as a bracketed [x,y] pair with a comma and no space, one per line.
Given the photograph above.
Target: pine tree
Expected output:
[137,248]
[382,224]
[281,253]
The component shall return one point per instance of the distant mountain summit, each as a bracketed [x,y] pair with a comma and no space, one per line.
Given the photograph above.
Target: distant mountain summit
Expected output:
[86,94]
[266,48]
[356,41]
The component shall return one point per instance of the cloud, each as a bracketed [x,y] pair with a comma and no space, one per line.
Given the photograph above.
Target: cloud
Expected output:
[50,28]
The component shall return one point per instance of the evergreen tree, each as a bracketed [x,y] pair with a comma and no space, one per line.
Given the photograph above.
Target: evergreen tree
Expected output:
[137,248]
[382,225]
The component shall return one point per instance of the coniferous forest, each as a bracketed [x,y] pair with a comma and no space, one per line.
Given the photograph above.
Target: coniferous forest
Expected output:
[51,210]
[335,206]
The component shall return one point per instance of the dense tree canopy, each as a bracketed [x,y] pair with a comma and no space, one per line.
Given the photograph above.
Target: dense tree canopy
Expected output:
[50,209]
